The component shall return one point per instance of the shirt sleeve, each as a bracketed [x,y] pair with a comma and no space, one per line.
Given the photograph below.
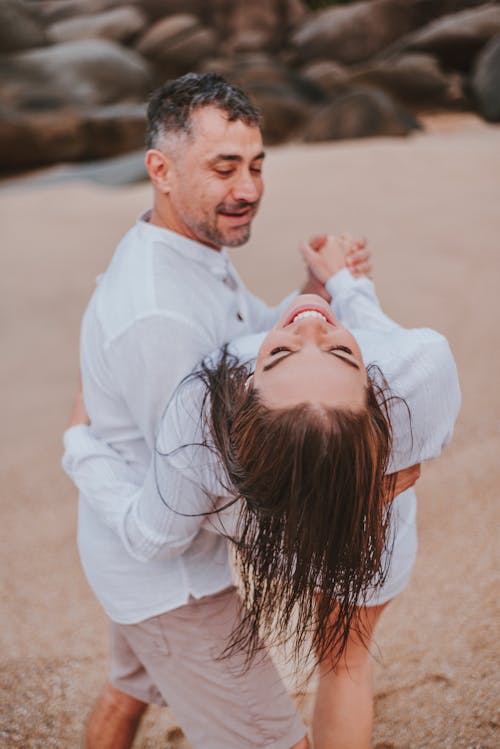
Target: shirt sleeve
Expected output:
[159,515]
[355,303]
[149,360]
[423,397]
[262,316]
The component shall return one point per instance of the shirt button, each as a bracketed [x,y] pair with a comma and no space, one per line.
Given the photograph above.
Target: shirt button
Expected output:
[240,316]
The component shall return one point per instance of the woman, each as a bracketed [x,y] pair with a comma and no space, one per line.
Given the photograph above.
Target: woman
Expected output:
[292,450]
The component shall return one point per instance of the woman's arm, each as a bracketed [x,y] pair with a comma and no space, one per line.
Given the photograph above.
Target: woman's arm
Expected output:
[343,265]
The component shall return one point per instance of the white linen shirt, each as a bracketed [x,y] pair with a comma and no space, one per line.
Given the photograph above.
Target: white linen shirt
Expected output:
[163,304]
[173,555]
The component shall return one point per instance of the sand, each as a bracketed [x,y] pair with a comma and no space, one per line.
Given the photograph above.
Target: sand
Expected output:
[430,207]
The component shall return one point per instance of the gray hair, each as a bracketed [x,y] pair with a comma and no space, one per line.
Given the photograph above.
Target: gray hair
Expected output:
[171,106]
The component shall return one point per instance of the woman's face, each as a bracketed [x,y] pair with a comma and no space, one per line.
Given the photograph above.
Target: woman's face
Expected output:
[309,357]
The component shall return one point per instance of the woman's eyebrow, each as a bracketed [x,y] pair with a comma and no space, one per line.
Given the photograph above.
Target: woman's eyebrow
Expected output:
[275,362]
[342,358]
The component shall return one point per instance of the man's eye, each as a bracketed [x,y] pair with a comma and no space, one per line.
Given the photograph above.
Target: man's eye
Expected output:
[256,170]
[278,350]
[225,173]
[345,349]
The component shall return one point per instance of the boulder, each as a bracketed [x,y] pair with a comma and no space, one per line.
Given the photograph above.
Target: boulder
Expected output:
[456,39]
[256,26]
[359,114]
[31,140]
[54,11]
[117,24]
[486,81]
[284,111]
[413,79]
[83,73]
[178,43]
[352,33]
[330,76]
[19,27]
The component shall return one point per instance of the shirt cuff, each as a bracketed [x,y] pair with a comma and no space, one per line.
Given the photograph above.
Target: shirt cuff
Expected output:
[77,440]
[344,282]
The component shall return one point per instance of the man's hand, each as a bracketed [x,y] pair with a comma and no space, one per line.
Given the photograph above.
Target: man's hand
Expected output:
[404,480]
[79,413]
[327,255]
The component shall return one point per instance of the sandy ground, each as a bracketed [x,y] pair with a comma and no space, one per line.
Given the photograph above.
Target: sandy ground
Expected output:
[430,206]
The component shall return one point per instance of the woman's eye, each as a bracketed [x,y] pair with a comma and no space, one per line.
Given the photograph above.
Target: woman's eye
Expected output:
[224,174]
[345,349]
[278,350]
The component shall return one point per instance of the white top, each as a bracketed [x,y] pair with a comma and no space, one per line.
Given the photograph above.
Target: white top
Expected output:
[166,556]
[163,304]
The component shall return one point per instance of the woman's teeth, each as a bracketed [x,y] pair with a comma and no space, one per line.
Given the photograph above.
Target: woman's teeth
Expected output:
[310,313]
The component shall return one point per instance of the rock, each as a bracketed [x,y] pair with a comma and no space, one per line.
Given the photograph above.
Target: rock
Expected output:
[329,76]
[284,110]
[177,43]
[284,97]
[352,33]
[413,79]
[456,39]
[59,10]
[30,140]
[256,26]
[117,24]
[54,11]
[359,114]
[82,73]
[486,81]
[19,27]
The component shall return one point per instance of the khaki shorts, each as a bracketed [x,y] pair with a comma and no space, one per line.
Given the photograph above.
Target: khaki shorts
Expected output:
[173,659]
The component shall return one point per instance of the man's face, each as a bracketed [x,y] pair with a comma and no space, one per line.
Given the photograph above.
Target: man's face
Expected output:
[215,183]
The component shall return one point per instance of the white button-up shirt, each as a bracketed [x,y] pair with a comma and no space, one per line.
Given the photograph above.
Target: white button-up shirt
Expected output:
[163,304]
[163,550]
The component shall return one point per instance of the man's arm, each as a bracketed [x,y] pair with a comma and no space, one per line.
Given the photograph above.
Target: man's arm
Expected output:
[158,514]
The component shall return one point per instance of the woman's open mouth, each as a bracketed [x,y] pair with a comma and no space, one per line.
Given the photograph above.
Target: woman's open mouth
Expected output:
[300,313]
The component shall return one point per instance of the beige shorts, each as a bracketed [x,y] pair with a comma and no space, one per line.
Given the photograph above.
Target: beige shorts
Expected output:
[173,659]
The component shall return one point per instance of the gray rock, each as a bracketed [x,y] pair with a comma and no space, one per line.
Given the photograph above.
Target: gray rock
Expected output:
[54,11]
[178,42]
[353,33]
[284,110]
[29,140]
[82,73]
[117,24]
[330,76]
[486,81]
[19,27]
[359,114]
[59,10]
[259,25]
[413,79]
[456,39]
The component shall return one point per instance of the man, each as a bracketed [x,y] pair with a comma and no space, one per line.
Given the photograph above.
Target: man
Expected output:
[170,297]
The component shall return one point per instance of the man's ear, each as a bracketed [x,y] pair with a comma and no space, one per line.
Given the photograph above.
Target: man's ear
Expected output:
[158,166]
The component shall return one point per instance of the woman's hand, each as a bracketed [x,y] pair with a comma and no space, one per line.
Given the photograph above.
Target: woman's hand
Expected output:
[327,255]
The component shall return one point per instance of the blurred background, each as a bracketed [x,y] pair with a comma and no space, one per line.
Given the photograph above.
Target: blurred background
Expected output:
[381,118]
[75,74]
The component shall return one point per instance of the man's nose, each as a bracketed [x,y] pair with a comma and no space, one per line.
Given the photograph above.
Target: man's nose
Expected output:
[247,187]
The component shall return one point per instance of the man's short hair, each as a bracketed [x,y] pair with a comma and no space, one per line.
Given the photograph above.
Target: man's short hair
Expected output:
[171,106]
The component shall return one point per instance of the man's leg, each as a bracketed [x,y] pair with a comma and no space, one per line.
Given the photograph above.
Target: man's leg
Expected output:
[343,711]
[114,720]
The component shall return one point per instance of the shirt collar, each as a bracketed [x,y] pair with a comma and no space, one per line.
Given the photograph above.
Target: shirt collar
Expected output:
[216,261]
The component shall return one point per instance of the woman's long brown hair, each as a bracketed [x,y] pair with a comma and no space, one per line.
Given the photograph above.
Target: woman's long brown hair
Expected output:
[313,510]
